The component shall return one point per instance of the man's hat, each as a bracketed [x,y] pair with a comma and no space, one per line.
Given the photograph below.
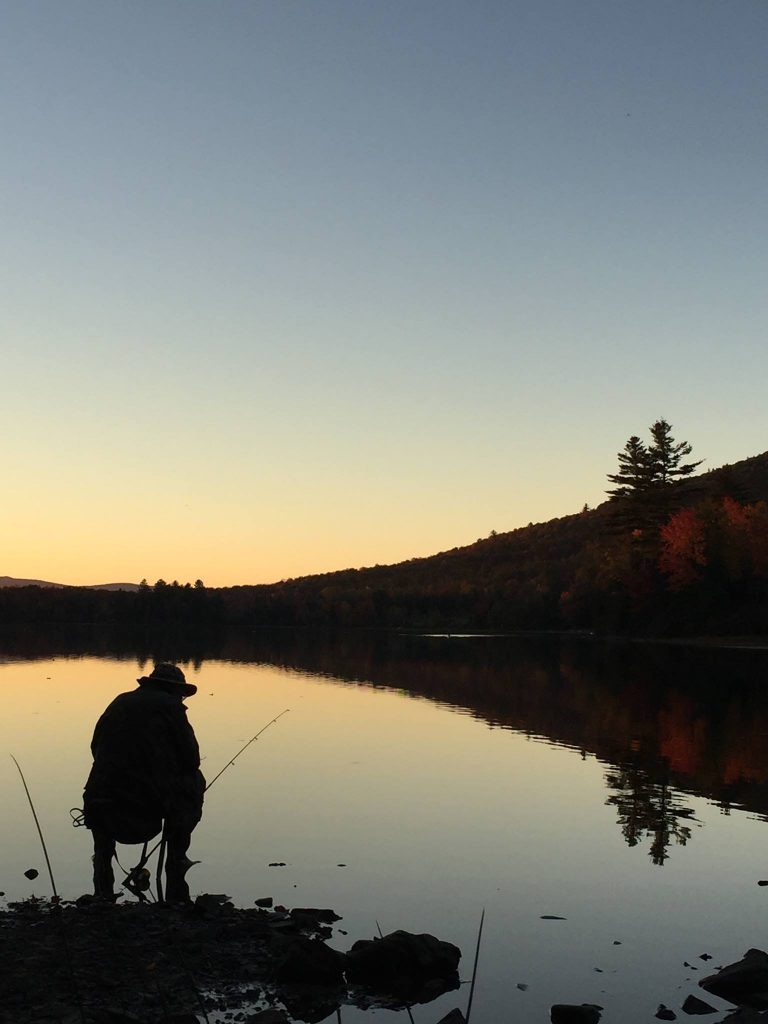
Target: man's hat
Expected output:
[171,677]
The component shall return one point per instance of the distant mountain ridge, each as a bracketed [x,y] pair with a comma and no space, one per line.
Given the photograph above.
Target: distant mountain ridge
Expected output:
[12,581]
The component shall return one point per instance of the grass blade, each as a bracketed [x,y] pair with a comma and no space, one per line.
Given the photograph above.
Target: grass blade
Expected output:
[37,823]
[474,969]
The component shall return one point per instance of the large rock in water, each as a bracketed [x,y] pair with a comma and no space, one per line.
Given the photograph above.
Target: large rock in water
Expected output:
[402,961]
[744,983]
[309,962]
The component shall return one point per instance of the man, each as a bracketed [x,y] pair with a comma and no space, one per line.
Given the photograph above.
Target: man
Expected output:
[145,778]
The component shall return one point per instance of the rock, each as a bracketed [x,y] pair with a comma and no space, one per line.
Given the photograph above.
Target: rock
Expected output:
[664,1013]
[401,960]
[213,904]
[311,1003]
[744,983]
[552,917]
[522,986]
[705,956]
[693,1005]
[281,922]
[314,915]
[571,1013]
[310,962]
[265,901]
[454,1017]
[31,873]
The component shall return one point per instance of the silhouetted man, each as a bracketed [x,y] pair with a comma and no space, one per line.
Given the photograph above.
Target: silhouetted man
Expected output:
[145,778]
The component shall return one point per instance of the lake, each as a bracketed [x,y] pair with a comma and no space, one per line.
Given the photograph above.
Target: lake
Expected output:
[417,780]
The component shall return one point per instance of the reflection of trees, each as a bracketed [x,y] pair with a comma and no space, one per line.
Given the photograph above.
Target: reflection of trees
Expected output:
[647,805]
[609,699]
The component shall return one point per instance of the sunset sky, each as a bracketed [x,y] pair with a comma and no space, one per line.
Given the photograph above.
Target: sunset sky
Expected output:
[296,286]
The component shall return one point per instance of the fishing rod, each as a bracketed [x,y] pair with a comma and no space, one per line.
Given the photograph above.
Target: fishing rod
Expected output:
[39,830]
[242,749]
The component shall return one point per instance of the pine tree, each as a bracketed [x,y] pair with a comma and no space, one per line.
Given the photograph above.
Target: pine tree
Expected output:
[643,469]
[635,470]
[665,455]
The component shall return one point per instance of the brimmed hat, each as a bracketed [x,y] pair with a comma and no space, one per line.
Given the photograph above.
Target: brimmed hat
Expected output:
[169,676]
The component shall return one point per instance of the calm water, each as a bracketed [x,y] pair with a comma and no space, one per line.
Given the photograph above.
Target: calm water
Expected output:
[623,787]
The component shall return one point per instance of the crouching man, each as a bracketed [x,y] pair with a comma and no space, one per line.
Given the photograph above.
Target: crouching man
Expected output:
[145,778]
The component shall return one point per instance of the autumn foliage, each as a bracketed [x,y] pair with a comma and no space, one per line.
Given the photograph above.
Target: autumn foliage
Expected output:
[683,547]
[726,537]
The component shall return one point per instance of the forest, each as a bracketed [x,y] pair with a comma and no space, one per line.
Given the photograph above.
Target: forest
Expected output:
[670,553]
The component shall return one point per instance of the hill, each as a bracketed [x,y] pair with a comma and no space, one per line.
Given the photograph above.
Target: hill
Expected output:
[577,571]
[12,581]
[698,564]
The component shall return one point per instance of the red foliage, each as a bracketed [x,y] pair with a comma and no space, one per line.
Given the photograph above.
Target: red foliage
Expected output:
[726,533]
[745,537]
[683,548]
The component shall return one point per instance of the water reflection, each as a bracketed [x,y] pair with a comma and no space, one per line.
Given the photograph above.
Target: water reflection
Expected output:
[666,720]
[648,806]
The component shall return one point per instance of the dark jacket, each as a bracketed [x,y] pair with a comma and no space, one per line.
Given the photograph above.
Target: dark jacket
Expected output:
[146,766]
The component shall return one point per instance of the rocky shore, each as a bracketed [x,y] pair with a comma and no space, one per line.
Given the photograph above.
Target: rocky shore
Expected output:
[91,962]
[95,962]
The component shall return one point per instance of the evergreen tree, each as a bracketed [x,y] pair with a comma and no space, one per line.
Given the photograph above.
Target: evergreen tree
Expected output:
[666,455]
[643,469]
[635,470]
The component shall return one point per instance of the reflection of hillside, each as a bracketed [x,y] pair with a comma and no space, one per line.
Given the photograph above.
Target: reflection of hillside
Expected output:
[699,716]
[109,640]
[699,713]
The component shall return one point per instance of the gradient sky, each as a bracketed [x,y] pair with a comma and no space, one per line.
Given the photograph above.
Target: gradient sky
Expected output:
[296,286]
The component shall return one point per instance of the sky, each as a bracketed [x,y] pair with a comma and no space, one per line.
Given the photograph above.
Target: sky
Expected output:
[294,286]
